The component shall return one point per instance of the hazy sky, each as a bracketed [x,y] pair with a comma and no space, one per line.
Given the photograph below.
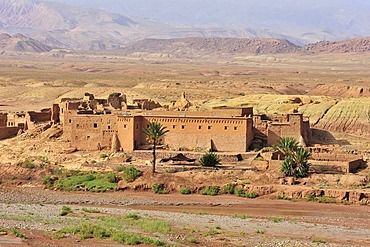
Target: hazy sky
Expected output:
[341,15]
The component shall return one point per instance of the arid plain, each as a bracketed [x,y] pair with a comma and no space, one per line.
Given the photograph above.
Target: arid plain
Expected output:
[334,92]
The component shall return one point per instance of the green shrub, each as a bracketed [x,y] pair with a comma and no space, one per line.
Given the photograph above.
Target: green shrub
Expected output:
[210,159]
[66,210]
[17,233]
[28,164]
[48,181]
[228,189]
[210,190]
[90,210]
[185,191]
[111,177]
[239,192]
[88,182]
[131,173]
[248,194]
[159,188]
[251,194]
[133,216]
[192,240]
[103,156]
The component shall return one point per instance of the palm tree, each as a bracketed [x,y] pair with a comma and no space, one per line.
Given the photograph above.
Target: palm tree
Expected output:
[296,158]
[154,132]
[287,145]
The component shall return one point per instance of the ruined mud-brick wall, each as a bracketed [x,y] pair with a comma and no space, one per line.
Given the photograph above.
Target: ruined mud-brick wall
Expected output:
[16,120]
[292,128]
[89,132]
[35,118]
[8,132]
[189,133]
[335,157]
[343,162]
[3,119]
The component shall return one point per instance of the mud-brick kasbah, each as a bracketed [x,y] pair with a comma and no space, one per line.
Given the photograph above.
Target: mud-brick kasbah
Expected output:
[96,124]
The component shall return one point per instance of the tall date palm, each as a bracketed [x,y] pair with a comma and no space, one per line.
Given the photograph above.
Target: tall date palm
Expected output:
[154,132]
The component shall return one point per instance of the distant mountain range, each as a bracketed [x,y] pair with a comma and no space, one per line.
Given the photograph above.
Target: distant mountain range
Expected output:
[193,46]
[60,25]
[301,22]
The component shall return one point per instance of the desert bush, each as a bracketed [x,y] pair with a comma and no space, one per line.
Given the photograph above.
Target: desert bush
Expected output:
[87,182]
[228,189]
[159,188]
[111,177]
[133,216]
[248,194]
[91,210]
[103,156]
[185,191]
[65,211]
[130,173]
[28,164]
[210,190]
[49,181]
[17,233]
[210,159]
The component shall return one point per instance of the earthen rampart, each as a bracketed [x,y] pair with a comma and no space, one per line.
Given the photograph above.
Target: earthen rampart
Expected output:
[3,119]
[8,132]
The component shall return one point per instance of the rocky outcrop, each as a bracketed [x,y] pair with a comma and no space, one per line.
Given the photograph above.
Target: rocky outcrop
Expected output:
[344,46]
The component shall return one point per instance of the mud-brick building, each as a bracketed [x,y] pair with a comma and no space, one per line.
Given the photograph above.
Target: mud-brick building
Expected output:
[189,132]
[270,128]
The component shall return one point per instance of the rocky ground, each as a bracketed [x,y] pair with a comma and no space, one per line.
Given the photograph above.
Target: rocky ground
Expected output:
[232,221]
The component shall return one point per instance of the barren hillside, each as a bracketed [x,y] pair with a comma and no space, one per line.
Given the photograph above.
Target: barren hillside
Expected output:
[359,45]
[21,43]
[212,46]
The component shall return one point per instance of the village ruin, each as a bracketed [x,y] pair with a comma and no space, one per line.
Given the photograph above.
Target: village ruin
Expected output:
[91,124]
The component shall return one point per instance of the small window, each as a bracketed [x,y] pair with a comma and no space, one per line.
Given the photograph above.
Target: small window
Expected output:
[70,121]
[87,137]
[147,126]
[199,127]
[235,128]
[209,127]
[182,126]
[95,125]
[225,128]
[125,126]
[77,125]
[173,126]
[109,127]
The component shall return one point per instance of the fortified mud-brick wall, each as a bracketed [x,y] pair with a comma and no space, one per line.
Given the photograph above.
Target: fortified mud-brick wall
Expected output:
[90,132]
[128,128]
[8,132]
[199,133]
[3,119]
[293,128]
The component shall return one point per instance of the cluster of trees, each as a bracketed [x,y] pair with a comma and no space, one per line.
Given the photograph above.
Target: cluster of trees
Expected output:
[296,158]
